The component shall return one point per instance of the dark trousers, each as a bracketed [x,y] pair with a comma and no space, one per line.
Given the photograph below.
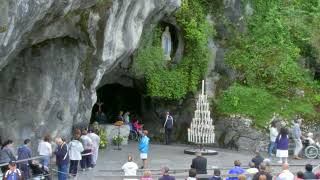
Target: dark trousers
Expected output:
[168,132]
[25,170]
[73,167]
[86,160]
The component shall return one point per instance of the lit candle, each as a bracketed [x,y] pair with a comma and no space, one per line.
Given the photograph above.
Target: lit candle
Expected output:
[189,138]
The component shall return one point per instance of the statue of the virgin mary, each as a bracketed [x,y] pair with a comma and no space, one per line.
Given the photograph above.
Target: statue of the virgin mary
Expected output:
[166,44]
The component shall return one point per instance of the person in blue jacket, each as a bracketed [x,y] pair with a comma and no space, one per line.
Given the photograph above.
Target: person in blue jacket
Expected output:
[236,170]
[144,148]
[24,152]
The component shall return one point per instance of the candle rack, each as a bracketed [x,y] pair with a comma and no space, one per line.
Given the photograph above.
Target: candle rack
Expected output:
[201,131]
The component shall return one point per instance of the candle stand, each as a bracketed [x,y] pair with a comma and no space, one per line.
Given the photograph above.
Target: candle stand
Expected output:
[201,131]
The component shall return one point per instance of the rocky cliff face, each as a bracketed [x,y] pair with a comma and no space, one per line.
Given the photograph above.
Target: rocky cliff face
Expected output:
[53,54]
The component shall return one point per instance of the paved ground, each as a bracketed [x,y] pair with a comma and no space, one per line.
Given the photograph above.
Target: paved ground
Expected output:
[171,156]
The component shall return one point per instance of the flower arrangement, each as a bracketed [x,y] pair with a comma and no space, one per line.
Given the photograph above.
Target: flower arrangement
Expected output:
[103,138]
[117,139]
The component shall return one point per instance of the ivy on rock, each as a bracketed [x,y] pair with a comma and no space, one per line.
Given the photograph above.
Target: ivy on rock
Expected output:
[174,82]
[272,59]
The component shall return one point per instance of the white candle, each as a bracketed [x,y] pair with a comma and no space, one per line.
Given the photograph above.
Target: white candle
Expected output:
[202,87]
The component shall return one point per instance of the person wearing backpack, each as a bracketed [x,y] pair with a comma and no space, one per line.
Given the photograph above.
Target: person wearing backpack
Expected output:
[62,158]
[6,154]
[13,173]
[75,149]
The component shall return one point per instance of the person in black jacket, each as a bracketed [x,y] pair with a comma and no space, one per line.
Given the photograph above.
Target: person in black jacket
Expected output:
[200,164]
[62,159]
[168,125]
[257,160]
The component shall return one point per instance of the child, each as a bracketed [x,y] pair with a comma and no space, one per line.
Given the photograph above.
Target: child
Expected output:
[216,175]
[146,175]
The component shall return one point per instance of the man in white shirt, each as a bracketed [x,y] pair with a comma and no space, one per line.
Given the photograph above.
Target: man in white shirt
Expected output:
[130,168]
[285,174]
[95,147]
[273,136]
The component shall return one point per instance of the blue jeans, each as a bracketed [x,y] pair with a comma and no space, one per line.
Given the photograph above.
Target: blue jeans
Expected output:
[272,146]
[45,161]
[63,172]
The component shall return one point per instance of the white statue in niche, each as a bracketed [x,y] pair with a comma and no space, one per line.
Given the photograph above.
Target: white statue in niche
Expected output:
[166,44]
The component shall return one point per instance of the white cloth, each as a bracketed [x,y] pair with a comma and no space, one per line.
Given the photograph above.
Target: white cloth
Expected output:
[130,169]
[191,178]
[86,142]
[252,170]
[75,149]
[143,156]
[273,134]
[282,153]
[44,149]
[285,175]
[95,146]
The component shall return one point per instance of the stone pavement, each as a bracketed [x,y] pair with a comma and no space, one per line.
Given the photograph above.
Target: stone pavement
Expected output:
[171,156]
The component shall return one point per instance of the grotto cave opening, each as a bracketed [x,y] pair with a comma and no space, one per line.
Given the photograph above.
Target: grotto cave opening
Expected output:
[113,98]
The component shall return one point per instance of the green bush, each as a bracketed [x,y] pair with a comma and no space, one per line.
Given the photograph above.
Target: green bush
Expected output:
[168,82]
[260,105]
[267,58]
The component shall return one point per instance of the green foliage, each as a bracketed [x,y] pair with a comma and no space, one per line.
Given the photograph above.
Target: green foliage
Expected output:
[267,60]
[167,84]
[117,139]
[174,83]
[103,138]
[256,103]
[260,105]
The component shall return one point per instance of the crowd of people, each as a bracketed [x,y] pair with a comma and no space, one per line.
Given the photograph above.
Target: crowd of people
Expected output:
[259,169]
[83,148]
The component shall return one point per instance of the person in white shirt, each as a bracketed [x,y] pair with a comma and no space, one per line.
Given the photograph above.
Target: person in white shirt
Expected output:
[310,138]
[130,168]
[251,171]
[85,162]
[75,149]
[45,150]
[285,174]
[273,136]
[95,147]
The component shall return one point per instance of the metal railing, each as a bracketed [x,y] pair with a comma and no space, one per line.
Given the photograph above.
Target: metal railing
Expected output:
[156,173]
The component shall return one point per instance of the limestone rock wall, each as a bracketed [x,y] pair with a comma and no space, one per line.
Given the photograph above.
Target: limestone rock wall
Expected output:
[53,54]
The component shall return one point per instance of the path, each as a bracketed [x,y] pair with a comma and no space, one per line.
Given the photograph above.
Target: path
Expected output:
[171,156]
